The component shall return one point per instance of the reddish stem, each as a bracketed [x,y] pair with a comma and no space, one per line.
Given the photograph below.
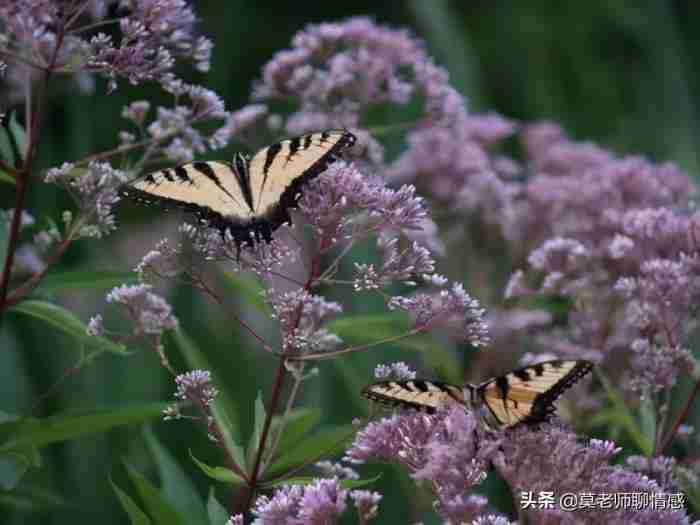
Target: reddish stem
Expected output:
[681,418]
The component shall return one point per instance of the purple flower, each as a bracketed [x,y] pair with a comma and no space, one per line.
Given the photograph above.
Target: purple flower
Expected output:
[97,192]
[453,308]
[236,520]
[398,371]
[323,501]
[333,202]
[301,316]
[161,262]
[96,326]
[336,470]
[447,449]
[151,313]
[398,264]
[336,71]
[196,385]
[366,503]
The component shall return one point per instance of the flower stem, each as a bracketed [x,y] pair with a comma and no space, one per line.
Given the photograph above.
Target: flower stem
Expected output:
[329,355]
[298,378]
[249,490]
[681,418]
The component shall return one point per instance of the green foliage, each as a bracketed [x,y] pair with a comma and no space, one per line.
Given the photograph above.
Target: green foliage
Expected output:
[66,321]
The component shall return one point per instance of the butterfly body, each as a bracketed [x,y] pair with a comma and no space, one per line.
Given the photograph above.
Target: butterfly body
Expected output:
[522,396]
[249,197]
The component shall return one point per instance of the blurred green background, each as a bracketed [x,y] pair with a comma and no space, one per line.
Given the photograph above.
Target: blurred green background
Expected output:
[620,73]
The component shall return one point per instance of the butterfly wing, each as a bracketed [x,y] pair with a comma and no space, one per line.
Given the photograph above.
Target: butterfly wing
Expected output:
[418,394]
[278,171]
[527,395]
[213,191]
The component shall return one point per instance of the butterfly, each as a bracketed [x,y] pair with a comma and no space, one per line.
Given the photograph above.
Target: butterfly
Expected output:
[250,197]
[525,395]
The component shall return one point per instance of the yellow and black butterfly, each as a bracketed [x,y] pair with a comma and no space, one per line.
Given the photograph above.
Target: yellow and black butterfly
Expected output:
[249,197]
[525,395]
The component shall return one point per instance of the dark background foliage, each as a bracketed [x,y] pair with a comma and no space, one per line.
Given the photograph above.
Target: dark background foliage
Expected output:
[620,73]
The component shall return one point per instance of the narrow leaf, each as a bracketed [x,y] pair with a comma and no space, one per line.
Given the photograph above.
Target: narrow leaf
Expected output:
[624,416]
[7,178]
[299,423]
[218,515]
[136,515]
[307,480]
[325,443]
[358,330]
[176,485]
[42,432]
[260,416]
[647,419]
[218,473]
[79,280]
[248,289]
[65,321]
[32,499]
[223,408]
[161,511]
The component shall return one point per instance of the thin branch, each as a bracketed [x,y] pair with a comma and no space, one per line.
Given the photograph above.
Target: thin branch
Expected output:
[329,355]
[24,176]
[298,378]
[249,491]
[90,27]
[30,284]
[203,286]
[12,56]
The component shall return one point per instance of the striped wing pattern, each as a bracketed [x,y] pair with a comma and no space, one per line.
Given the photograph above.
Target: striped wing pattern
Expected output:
[418,394]
[525,395]
[245,197]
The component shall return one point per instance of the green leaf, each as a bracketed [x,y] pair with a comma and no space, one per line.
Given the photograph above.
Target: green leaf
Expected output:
[260,417]
[161,511]
[359,330]
[13,466]
[32,499]
[223,409]
[80,280]
[248,289]
[176,485]
[623,416]
[325,443]
[13,132]
[349,484]
[299,423]
[6,177]
[136,515]
[647,419]
[65,321]
[218,473]
[218,515]
[30,432]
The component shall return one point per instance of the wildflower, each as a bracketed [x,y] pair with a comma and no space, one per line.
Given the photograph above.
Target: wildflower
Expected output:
[161,261]
[95,326]
[301,316]
[196,385]
[323,501]
[367,504]
[337,70]
[454,309]
[151,313]
[398,371]
[336,470]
